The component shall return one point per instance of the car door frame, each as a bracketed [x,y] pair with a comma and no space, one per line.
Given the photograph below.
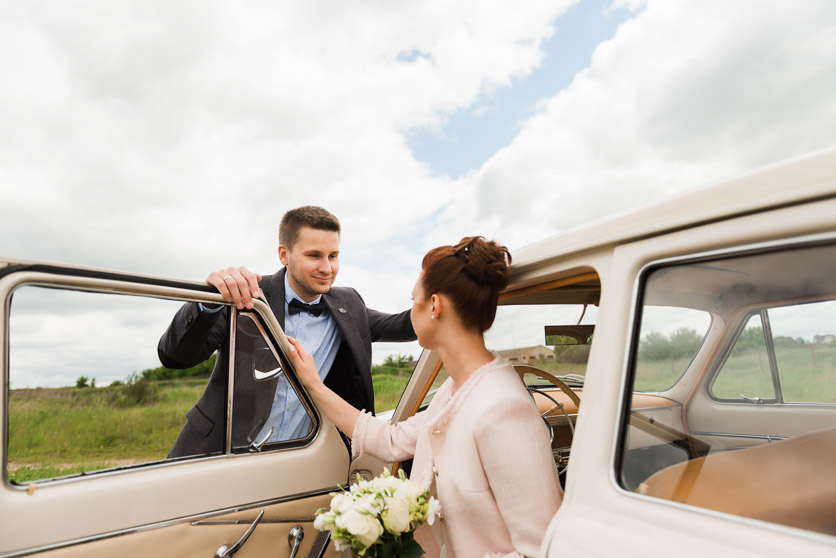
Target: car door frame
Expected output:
[167,496]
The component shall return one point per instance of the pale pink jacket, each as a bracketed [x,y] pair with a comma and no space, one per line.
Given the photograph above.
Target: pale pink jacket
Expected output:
[485,453]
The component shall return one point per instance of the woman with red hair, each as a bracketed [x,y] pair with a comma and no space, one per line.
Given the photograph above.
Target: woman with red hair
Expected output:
[480,446]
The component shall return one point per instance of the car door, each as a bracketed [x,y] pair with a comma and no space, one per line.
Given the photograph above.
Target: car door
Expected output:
[89,417]
[739,476]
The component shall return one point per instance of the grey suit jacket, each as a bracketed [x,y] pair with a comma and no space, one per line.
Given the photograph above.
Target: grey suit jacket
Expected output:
[193,336]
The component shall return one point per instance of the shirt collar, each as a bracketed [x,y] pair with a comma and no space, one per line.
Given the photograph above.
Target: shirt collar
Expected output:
[290,294]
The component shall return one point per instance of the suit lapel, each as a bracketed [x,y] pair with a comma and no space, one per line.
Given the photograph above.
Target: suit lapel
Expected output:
[274,290]
[340,313]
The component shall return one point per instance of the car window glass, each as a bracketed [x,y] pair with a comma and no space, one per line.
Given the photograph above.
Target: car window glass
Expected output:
[753,407]
[806,359]
[670,338]
[390,379]
[746,372]
[80,399]
[439,379]
[87,391]
[266,407]
[520,334]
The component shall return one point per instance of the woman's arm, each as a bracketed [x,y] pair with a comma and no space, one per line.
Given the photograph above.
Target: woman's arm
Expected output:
[342,414]
[374,436]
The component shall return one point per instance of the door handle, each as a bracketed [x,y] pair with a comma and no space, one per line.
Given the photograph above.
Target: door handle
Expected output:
[224,552]
[294,539]
[256,446]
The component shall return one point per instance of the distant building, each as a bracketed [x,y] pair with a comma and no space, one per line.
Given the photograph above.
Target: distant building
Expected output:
[824,339]
[525,355]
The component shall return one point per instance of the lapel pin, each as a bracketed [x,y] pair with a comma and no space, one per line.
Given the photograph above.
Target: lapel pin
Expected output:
[342,310]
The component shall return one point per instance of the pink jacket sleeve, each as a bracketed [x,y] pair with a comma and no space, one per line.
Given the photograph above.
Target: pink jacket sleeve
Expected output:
[377,437]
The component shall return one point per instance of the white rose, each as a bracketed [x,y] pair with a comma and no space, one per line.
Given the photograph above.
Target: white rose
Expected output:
[368,503]
[325,521]
[365,528]
[409,490]
[372,532]
[341,503]
[381,484]
[360,486]
[396,516]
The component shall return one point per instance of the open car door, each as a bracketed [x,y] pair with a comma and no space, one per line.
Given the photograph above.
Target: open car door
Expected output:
[89,419]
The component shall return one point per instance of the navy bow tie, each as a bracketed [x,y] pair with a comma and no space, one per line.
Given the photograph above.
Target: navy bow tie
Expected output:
[295,306]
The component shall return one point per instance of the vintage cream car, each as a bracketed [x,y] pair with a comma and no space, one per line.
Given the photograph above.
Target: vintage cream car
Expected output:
[684,357]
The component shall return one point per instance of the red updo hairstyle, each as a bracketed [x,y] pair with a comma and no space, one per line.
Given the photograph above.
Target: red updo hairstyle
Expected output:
[471,274]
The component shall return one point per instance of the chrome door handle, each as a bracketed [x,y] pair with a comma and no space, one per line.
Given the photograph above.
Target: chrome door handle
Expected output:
[224,552]
[294,539]
[256,446]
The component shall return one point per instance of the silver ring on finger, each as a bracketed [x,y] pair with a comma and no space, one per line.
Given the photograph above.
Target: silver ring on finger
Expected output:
[227,277]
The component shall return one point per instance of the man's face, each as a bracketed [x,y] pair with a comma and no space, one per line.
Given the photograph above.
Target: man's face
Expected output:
[313,262]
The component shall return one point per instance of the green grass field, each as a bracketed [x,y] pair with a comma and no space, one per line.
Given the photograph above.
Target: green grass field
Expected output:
[60,431]
[63,431]
[807,375]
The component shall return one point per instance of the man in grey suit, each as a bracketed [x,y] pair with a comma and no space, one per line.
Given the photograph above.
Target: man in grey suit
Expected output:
[332,323]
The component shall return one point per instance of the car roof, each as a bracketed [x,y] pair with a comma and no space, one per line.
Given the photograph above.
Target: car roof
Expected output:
[811,177]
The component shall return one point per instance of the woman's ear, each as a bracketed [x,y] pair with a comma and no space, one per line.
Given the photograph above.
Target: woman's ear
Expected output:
[436,306]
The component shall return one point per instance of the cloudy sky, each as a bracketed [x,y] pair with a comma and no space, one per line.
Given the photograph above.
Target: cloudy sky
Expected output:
[168,137]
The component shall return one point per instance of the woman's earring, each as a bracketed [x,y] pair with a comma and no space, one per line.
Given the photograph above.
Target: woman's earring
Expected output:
[432,316]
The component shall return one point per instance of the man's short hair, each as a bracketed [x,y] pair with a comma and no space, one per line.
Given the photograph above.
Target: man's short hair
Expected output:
[305,216]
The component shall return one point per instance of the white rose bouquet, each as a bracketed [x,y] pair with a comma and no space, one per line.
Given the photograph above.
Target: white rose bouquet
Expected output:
[377,518]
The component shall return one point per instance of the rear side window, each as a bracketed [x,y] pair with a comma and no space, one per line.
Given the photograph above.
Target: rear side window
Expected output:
[782,355]
[748,423]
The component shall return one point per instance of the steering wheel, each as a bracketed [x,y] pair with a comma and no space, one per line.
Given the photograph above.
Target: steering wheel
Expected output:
[522,370]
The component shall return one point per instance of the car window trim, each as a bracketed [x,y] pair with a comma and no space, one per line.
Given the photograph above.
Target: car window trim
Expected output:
[631,346]
[105,282]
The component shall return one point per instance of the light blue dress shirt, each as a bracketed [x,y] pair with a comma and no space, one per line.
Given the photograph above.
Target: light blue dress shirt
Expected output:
[321,337]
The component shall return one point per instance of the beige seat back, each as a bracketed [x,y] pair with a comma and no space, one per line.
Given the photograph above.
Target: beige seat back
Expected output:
[790,482]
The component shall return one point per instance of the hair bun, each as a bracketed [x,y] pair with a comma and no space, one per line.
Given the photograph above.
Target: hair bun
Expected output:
[486,261]
[471,274]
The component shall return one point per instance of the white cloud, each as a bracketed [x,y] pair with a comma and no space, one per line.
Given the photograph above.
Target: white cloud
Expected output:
[170,137]
[686,93]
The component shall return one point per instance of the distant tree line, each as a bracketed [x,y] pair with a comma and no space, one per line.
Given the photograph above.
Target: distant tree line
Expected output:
[684,342]
[84,381]
[391,365]
[162,373]
[752,338]
[396,364]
